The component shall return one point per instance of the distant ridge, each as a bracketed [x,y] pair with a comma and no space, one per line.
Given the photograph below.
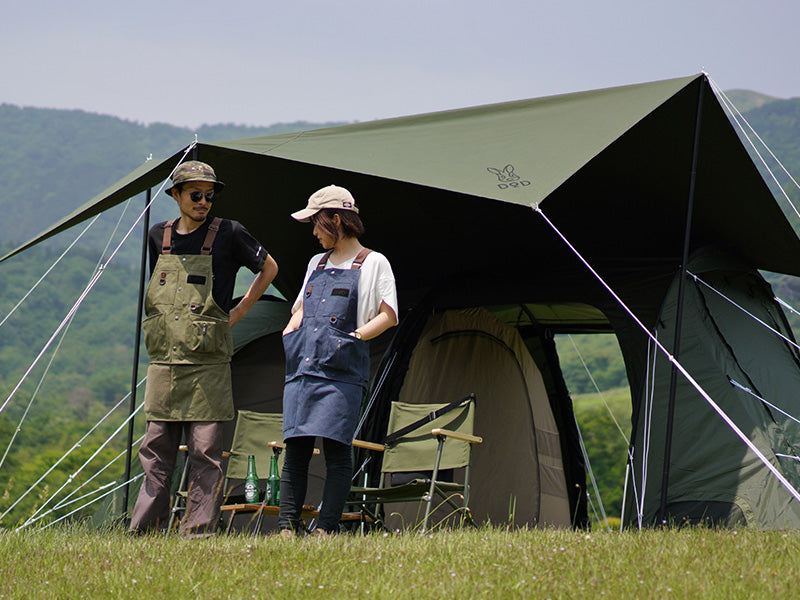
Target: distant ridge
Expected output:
[745,100]
[54,160]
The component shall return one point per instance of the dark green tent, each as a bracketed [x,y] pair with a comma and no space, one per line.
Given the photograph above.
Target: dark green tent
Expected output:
[449,197]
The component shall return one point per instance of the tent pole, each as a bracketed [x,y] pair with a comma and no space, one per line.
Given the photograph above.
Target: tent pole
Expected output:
[662,510]
[135,369]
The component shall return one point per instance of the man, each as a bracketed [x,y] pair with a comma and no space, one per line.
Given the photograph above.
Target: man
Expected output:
[193,263]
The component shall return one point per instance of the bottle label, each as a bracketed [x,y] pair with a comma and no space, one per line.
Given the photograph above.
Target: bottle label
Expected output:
[250,492]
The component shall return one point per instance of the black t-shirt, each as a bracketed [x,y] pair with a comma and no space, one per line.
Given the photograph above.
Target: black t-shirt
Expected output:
[233,248]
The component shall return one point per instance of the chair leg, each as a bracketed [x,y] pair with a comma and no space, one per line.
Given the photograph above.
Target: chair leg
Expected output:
[429,499]
[363,525]
[230,522]
[257,527]
[467,512]
[184,476]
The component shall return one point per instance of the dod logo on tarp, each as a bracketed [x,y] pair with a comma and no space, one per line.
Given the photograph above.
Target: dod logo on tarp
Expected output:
[507,177]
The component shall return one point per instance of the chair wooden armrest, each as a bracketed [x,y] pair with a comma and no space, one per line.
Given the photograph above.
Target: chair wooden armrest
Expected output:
[369,445]
[272,444]
[465,437]
[282,446]
[185,448]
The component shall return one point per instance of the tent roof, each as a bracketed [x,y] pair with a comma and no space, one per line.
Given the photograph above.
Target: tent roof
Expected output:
[611,168]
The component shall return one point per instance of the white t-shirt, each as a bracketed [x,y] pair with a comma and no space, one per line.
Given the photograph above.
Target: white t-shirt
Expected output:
[375,285]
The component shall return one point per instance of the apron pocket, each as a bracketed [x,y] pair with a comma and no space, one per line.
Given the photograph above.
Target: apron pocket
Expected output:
[163,287]
[346,354]
[155,337]
[208,335]
[292,348]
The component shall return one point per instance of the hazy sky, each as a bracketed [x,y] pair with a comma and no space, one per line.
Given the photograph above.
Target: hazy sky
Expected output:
[258,62]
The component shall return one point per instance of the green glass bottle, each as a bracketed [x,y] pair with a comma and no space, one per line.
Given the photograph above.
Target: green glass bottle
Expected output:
[251,481]
[273,482]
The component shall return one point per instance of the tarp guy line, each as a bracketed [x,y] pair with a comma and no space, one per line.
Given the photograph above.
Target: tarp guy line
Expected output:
[649,405]
[123,484]
[755,318]
[630,473]
[63,337]
[755,133]
[625,490]
[736,384]
[597,517]
[76,445]
[47,272]
[91,284]
[677,364]
[786,305]
[33,396]
[114,232]
[733,111]
[375,393]
[591,478]
[594,383]
[71,478]
[787,456]
[65,501]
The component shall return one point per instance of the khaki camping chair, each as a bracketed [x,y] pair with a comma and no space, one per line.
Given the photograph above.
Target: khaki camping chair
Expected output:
[417,446]
[261,435]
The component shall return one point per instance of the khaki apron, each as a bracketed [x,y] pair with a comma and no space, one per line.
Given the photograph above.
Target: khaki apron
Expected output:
[188,338]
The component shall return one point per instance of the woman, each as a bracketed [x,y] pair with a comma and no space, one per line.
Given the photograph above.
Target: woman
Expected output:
[348,297]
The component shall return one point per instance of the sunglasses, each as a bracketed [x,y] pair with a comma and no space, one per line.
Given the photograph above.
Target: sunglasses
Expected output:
[197,196]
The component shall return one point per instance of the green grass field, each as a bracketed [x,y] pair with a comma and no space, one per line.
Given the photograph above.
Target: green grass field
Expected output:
[73,562]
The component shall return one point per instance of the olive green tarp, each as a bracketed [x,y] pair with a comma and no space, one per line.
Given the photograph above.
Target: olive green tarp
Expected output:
[449,198]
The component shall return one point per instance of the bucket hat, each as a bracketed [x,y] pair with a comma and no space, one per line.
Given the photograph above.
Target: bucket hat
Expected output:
[194,170]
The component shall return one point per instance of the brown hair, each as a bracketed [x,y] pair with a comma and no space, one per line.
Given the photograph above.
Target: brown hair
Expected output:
[351,222]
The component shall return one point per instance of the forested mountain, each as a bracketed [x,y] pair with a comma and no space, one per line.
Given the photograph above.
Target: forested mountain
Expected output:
[52,161]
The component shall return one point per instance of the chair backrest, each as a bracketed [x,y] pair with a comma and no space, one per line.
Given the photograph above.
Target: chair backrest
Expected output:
[254,430]
[416,451]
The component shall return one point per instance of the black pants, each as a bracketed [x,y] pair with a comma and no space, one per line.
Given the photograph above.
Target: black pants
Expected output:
[294,481]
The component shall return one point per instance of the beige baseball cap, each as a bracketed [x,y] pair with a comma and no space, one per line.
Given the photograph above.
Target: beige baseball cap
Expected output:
[331,196]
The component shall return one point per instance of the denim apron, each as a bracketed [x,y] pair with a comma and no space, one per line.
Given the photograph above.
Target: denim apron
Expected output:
[188,338]
[326,368]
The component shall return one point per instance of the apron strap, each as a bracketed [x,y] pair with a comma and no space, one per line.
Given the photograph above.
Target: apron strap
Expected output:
[357,261]
[213,228]
[360,258]
[324,260]
[166,242]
